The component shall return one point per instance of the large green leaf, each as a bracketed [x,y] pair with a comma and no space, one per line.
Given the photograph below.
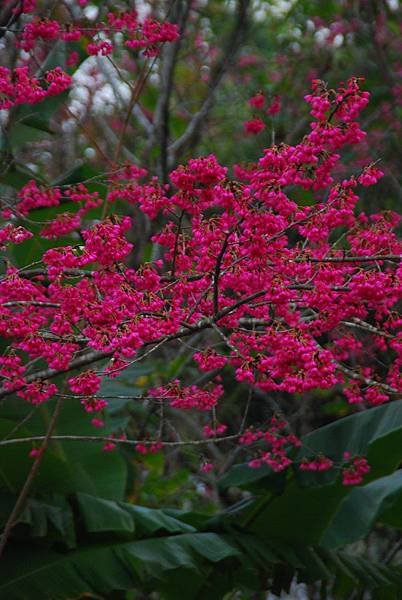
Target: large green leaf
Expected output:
[81,172]
[375,432]
[100,569]
[191,564]
[310,501]
[66,467]
[102,515]
[25,133]
[299,515]
[16,175]
[36,117]
[47,520]
[379,500]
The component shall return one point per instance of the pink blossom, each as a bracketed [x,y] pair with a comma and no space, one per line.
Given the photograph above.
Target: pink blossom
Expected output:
[275,106]
[257,101]
[100,47]
[206,467]
[254,126]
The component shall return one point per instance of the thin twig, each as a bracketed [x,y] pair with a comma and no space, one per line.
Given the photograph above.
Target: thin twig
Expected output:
[341,259]
[127,442]
[217,271]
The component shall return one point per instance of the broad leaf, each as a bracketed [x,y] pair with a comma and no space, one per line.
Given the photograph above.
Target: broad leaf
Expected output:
[310,501]
[100,569]
[380,500]
[67,467]
[120,551]
[102,515]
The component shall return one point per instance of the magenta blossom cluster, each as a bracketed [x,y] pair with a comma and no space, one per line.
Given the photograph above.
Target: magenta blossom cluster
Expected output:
[146,35]
[19,87]
[277,441]
[281,291]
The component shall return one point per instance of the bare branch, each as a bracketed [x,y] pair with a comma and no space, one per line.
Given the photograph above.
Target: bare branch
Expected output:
[95,438]
[162,111]
[9,15]
[341,259]
[217,76]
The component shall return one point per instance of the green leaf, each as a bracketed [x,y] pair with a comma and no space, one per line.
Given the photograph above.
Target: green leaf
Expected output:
[245,476]
[166,563]
[100,569]
[378,500]
[38,116]
[212,561]
[66,467]
[309,502]
[51,519]
[22,134]
[55,58]
[376,432]
[299,515]
[80,173]
[353,573]
[102,515]
[16,175]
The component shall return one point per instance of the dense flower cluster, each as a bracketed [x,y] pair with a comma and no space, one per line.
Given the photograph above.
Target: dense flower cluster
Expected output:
[254,126]
[23,86]
[38,28]
[146,35]
[31,196]
[353,473]
[15,235]
[281,285]
[18,87]
[188,397]
[279,441]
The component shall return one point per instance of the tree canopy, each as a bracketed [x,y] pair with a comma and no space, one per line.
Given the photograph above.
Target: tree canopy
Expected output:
[200,375]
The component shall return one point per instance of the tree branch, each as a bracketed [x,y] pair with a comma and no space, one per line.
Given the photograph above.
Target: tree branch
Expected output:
[161,127]
[95,438]
[9,15]
[217,75]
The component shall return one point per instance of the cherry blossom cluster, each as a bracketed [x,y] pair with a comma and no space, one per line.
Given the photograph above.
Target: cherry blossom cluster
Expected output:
[189,397]
[27,85]
[353,469]
[15,235]
[39,29]
[259,103]
[19,87]
[354,472]
[146,35]
[288,296]
[277,442]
